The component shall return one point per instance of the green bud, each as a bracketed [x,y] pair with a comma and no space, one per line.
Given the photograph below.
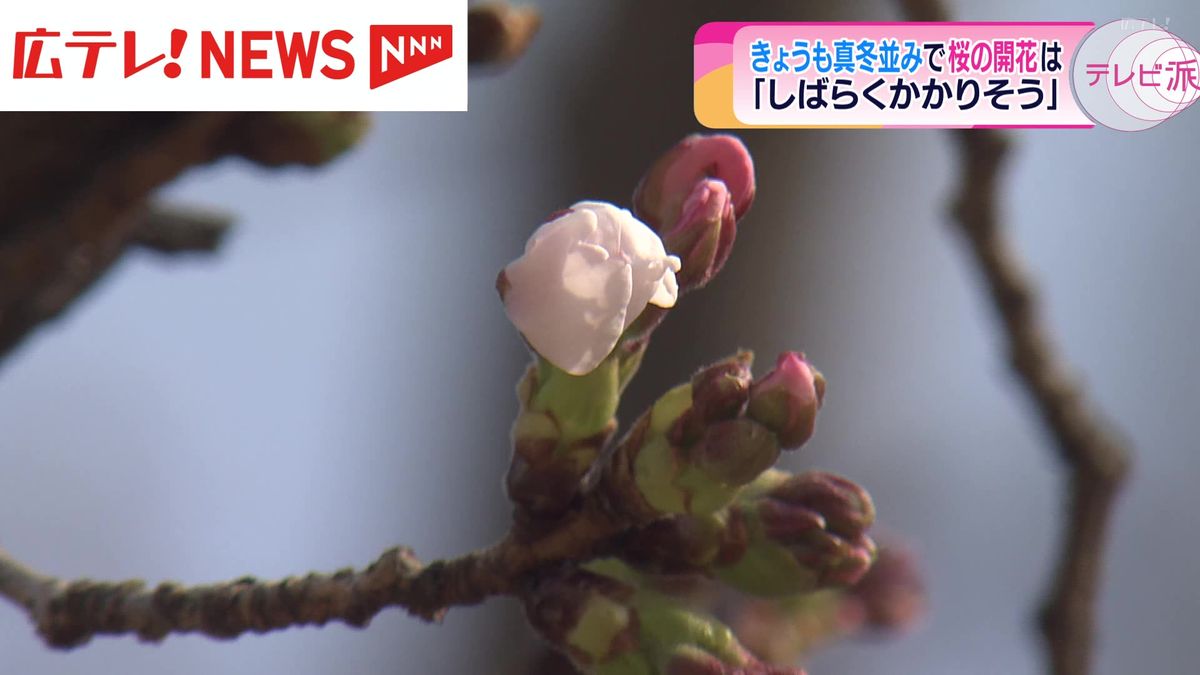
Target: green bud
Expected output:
[735,452]
[693,451]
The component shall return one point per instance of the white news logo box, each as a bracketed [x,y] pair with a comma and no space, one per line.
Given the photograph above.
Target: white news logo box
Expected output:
[224,55]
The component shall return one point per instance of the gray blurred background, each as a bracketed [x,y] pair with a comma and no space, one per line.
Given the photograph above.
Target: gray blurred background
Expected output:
[339,378]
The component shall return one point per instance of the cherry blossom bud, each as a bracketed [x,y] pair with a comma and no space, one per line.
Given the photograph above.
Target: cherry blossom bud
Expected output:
[585,276]
[609,621]
[703,236]
[693,451]
[786,399]
[845,506]
[659,197]
[735,452]
[720,391]
[807,533]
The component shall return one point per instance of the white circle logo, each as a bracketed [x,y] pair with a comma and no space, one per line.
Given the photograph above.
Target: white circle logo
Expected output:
[1132,75]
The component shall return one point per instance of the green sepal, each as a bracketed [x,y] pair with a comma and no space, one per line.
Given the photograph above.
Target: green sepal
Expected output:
[581,404]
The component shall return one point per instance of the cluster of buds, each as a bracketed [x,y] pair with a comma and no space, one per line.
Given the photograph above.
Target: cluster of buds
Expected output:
[786,534]
[592,284]
[692,479]
[807,532]
[702,441]
[694,449]
[693,197]
[609,624]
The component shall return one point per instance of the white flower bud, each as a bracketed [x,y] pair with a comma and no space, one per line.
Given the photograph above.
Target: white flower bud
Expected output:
[585,276]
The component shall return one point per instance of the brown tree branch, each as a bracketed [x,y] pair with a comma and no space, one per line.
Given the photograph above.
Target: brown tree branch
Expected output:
[1095,456]
[68,209]
[69,613]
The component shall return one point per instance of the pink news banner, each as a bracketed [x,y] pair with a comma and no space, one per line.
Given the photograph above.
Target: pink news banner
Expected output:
[1128,75]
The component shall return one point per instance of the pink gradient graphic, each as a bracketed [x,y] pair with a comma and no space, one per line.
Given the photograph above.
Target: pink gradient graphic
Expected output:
[710,56]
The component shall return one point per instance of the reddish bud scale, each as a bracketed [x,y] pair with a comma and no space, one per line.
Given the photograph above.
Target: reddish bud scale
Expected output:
[845,506]
[720,391]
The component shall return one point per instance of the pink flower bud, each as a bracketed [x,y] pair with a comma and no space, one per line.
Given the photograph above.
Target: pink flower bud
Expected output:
[659,198]
[786,399]
[703,235]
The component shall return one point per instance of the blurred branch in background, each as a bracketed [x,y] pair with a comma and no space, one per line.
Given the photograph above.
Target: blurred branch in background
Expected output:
[69,215]
[1096,457]
[171,229]
[72,208]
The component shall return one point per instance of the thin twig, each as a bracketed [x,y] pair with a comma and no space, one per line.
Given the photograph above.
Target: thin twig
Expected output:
[69,613]
[1096,457]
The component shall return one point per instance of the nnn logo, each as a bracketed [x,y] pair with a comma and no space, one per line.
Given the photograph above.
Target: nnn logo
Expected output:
[397,51]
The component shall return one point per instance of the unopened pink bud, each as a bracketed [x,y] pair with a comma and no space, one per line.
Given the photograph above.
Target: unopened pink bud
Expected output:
[703,235]
[786,399]
[659,198]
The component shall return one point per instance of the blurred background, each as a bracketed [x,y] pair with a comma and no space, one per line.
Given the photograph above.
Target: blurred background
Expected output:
[339,378]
